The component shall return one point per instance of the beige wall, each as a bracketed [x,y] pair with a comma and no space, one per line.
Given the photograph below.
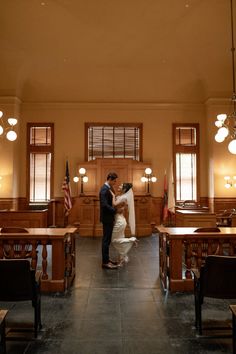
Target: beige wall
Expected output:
[222,161]
[69,119]
[10,156]
[157,122]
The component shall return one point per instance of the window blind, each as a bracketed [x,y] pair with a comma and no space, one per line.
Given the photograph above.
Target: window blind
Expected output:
[113,142]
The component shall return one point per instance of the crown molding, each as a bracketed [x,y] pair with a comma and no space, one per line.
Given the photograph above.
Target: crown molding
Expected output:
[10,100]
[129,106]
[212,101]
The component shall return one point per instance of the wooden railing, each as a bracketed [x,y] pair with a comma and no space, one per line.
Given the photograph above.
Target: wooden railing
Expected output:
[51,250]
[182,249]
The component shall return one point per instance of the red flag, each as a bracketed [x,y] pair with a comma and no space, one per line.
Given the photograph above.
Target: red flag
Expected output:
[67,191]
[171,191]
[165,200]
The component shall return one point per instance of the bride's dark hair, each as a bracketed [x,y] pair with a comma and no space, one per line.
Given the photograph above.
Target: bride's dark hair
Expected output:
[126,186]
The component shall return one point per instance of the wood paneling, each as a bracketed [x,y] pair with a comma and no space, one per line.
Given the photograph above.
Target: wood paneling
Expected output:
[128,170]
[224,204]
[191,218]
[24,218]
[8,204]
[89,217]
[87,213]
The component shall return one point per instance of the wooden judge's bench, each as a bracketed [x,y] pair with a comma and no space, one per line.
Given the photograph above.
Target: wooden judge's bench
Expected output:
[86,208]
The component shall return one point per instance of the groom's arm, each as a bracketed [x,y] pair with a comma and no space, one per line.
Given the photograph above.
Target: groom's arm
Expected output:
[105,200]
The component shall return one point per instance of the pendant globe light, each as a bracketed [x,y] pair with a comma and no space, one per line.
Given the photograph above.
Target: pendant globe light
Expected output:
[8,131]
[226,124]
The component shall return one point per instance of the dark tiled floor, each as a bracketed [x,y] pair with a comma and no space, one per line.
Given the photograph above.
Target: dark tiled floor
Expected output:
[119,311]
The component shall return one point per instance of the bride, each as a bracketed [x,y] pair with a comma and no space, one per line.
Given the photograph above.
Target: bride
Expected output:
[121,243]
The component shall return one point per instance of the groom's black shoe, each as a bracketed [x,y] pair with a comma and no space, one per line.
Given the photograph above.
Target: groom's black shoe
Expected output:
[113,262]
[109,265]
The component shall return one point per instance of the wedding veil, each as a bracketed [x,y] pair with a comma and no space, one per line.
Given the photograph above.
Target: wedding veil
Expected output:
[130,201]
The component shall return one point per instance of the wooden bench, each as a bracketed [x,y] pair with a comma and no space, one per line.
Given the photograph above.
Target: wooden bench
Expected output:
[3,314]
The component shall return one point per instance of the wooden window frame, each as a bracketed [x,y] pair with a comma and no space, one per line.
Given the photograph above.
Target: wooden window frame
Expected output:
[39,149]
[187,149]
[135,125]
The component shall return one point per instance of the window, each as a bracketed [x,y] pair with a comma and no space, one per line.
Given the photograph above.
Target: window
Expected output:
[105,140]
[186,161]
[40,139]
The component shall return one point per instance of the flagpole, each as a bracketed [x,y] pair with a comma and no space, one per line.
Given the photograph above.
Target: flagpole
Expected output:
[65,220]
[67,194]
[165,200]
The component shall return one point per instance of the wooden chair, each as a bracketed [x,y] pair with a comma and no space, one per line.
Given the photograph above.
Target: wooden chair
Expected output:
[3,314]
[224,218]
[233,310]
[207,229]
[216,279]
[18,282]
[189,204]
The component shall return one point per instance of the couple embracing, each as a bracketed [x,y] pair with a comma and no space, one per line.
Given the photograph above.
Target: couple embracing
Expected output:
[112,210]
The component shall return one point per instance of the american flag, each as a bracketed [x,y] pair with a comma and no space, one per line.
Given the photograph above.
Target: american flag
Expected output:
[165,200]
[67,192]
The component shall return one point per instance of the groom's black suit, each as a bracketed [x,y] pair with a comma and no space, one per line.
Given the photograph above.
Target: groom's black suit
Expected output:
[107,215]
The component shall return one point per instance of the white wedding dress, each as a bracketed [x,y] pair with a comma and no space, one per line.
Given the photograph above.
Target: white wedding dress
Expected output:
[121,243]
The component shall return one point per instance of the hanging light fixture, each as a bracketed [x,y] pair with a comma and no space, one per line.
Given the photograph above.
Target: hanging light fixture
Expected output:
[9,130]
[226,124]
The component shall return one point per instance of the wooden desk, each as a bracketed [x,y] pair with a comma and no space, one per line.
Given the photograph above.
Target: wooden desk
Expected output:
[3,314]
[181,249]
[233,310]
[195,218]
[62,242]
[192,207]
[24,218]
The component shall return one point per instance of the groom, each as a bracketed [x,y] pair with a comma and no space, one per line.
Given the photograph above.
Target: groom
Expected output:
[107,216]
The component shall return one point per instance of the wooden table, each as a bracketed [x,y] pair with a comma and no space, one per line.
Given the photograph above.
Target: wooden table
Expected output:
[28,245]
[3,314]
[182,249]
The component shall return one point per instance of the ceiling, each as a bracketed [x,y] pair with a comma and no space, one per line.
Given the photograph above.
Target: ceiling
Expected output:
[115,51]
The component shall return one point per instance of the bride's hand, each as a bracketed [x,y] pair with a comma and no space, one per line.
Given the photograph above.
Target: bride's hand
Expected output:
[112,193]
